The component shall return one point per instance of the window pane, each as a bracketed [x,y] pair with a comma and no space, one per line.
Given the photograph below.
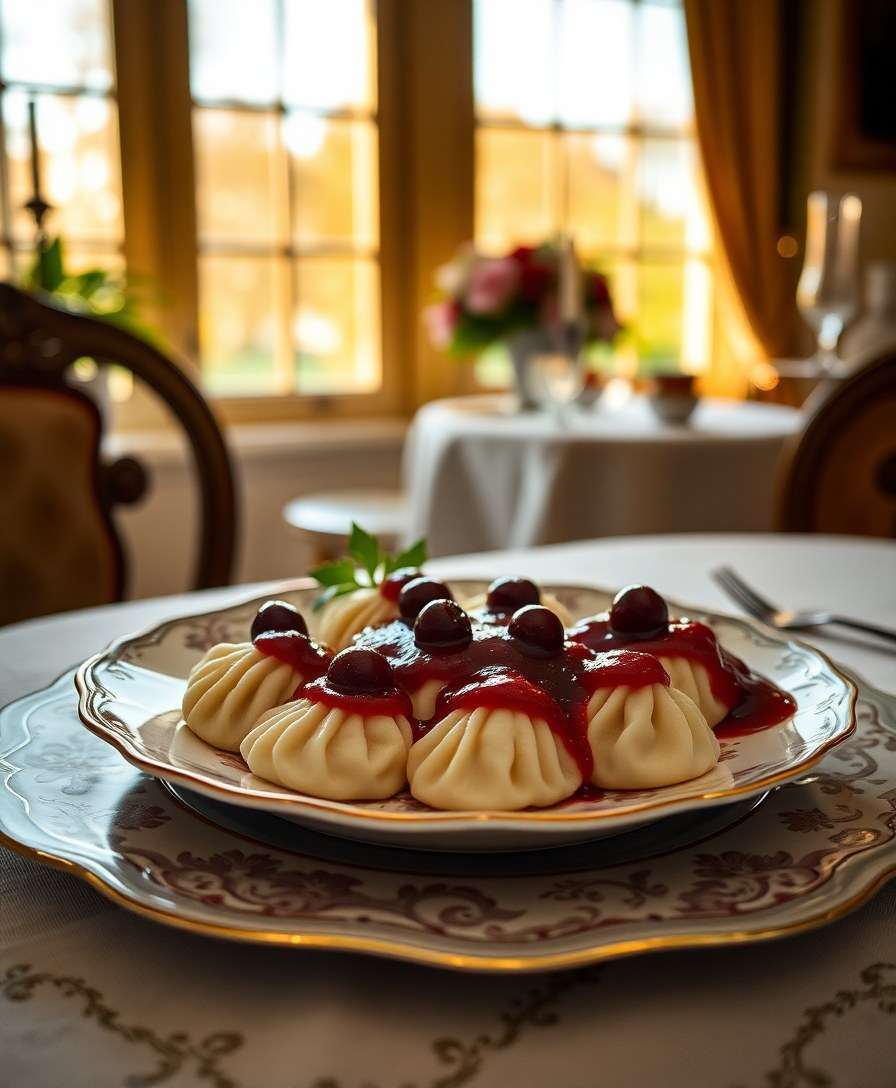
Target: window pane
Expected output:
[81,259]
[78,141]
[238,195]
[61,43]
[515,187]
[238,329]
[595,62]
[233,50]
[697,322]
[329,54]
[334,169]
[658,323]
[336,326]
[513,61]
[598,166]
[665,187]
[664,84]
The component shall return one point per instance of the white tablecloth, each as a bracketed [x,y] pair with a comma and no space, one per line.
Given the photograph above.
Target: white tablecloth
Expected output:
[481,476]
[103,998]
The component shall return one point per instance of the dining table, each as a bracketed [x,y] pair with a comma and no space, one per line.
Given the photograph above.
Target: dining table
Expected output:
[481,475]
[93,995]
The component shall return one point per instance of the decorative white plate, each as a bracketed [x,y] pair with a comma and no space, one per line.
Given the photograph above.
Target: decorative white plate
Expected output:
[808,854]
[130,696]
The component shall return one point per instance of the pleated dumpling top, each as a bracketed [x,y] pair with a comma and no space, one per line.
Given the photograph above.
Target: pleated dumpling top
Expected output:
[491,758]
[229,690]
[235,683]
[345,738]
[649,736]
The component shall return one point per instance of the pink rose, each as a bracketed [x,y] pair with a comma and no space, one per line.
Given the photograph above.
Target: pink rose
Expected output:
[491,285]
[441,321]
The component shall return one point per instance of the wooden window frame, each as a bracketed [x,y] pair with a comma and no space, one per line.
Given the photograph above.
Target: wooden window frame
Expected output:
[426,127]
[425,124]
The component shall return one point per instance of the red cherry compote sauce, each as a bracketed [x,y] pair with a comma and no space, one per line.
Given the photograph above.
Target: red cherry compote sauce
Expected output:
[496,671]
[312,662]
[754,702]
[296,650]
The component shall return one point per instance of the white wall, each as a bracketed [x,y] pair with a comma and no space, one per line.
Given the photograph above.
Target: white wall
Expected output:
[275,462]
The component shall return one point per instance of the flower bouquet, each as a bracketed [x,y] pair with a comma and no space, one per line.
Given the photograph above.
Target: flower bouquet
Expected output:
[516,300]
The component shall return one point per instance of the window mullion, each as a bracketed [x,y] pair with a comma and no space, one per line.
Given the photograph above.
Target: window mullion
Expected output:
[155,125]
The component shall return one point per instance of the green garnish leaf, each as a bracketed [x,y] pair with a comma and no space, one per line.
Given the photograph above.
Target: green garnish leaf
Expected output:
[341,576]
[365,550]
[414,556]
[338,572]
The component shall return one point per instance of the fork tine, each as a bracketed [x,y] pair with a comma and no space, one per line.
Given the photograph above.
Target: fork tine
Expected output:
[735,590]
[748,591]
[733,594]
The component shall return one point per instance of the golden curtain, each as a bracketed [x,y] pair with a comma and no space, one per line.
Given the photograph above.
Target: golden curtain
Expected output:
[735,51]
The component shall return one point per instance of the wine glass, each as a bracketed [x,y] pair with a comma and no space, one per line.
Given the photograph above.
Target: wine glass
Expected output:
[827,292]
[558,380]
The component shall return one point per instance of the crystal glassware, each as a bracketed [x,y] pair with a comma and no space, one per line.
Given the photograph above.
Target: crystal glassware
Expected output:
[827,292]
[558,381]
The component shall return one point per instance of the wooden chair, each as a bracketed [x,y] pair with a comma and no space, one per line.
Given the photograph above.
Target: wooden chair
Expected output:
[59,548]
[839,475]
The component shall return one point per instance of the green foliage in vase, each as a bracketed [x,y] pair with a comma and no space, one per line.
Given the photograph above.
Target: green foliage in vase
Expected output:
[111,296]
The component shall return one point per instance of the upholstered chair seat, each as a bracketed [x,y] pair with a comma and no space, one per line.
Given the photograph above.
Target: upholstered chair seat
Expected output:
[57,550]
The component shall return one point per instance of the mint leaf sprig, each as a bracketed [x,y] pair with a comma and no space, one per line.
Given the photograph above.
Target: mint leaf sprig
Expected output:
[365,565]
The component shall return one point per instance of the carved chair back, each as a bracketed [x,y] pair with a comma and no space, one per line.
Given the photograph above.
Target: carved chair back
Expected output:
[839,475]
[59,547]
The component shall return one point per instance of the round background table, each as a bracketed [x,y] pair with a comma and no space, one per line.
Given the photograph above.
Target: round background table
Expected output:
[481,476]
[92,995]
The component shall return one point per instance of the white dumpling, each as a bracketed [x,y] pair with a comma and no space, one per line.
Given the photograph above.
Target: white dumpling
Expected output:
[491,759]
[342,618]
[328,752]
[649,736]
[477,604]
[229,690]
[692,678]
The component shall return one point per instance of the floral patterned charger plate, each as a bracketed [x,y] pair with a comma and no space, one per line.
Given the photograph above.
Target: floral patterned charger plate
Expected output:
[130,696]
[811,851]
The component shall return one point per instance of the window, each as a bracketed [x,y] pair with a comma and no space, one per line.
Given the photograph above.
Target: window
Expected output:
[68,72]
[285,153]
[584,124]
[281,156]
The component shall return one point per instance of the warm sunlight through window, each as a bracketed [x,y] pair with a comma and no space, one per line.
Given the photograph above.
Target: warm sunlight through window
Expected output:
[285,149]
[584,123]
[69,74]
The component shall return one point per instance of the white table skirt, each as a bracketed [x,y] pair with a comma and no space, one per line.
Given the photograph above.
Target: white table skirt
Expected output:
[108,997]
[480,476]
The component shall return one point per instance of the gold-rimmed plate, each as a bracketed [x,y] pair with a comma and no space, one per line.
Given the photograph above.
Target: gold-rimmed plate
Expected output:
[130,696]
[812,851]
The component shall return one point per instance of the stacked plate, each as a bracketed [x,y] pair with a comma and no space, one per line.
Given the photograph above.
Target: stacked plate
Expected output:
[794,826]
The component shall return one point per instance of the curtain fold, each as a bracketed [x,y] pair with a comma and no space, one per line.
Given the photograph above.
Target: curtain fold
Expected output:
[736,69]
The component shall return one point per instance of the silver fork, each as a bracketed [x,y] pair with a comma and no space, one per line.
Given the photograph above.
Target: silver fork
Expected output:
[783,619]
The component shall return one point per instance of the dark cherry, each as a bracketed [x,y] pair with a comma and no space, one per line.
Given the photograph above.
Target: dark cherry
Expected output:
[638,611]
[420,592]
[538,630]
[280,617]
[509,594]
[358,671]
[443,627]
[393,584]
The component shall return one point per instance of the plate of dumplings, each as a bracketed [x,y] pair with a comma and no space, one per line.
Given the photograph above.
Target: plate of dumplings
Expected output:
[389,706]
